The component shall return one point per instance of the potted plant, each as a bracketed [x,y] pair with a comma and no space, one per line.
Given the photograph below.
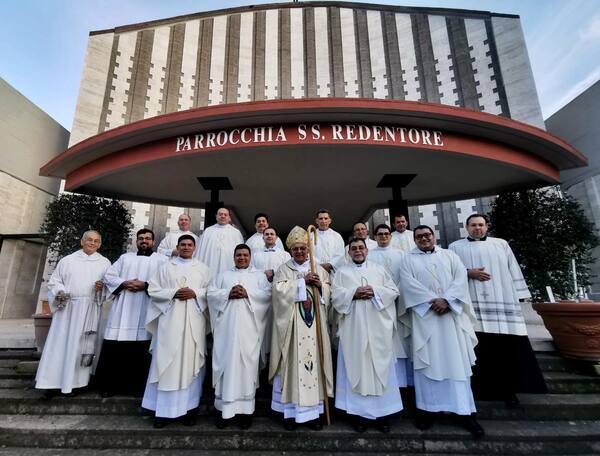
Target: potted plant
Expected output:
[549,233]
[67,218]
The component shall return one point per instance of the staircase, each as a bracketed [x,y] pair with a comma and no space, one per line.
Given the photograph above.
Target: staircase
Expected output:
[564,422]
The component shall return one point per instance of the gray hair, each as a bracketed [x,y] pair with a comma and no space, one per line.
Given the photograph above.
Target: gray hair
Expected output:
[88,232]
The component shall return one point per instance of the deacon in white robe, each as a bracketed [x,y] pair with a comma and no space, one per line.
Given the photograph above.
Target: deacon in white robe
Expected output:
[177,320]
[391,258]
[506,363]
[256,242]
[402,238]
[268,259]
[168,246]
[295,365]
[125,357]
[364,295]
[434,286]
[329,250]
[238,302]
[73,288]
[217,243]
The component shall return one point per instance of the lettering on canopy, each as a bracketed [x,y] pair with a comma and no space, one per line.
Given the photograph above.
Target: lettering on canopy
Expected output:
[311,134]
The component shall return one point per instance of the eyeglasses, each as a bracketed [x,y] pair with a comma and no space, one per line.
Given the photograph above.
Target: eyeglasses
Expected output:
[424,236]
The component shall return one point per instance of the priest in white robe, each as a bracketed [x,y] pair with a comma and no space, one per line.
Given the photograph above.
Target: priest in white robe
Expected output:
[434,286]
[168,246]
[125,358]
[177,320]
[391,259]
[402,238]
[364,295]
[256,242]
[238,302]
[217,243]
[74,289]
[506,364]
[295,366]
[268,259]
[329,249]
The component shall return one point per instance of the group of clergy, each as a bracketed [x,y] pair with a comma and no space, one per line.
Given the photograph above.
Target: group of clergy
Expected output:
[400,311]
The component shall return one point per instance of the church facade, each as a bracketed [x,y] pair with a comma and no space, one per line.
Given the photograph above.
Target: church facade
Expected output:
[310,50]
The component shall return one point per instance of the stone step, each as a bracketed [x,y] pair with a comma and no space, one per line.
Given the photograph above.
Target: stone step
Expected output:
[542,345]
[13,372]
[23,354]
[571,383]
[127,432]
[553,362]
[15,451]
[18,383]
[550,407]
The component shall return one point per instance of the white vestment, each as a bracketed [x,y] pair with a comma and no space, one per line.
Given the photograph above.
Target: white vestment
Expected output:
[238,327]
[404,241]
[496,301]
[257,243]
[391,258]
[169,243]
[366,332]
[329,248]
[263,260]
[127,317]
[60,365]
[442,345]
[178,329]
[216,247]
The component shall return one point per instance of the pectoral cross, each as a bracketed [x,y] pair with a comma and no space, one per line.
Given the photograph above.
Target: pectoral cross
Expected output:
[485,294]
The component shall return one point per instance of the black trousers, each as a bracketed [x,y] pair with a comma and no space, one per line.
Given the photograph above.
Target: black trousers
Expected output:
[123,367]
[506,365]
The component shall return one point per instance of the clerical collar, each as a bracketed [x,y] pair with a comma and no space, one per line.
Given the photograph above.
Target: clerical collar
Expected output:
[144,253]
[220,226]
[241,269]
[427,251]
[269,249]
[183,260]
[470,239]
[360,265]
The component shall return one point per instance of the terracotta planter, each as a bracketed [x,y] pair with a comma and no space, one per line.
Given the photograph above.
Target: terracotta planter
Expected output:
[574,326]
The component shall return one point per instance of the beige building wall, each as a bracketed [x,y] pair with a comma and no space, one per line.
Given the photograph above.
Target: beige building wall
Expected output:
[28,139]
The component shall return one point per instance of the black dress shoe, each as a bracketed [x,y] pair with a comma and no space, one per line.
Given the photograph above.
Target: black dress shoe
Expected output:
[189,419]
[360,424]
[159,422]
[423,419]
[470,424]
[49,394]
[245,421]
[289,424]
[383,424]
[316,425]
[221,422]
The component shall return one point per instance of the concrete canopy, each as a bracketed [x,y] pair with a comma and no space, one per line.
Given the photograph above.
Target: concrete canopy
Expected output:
[291,157]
